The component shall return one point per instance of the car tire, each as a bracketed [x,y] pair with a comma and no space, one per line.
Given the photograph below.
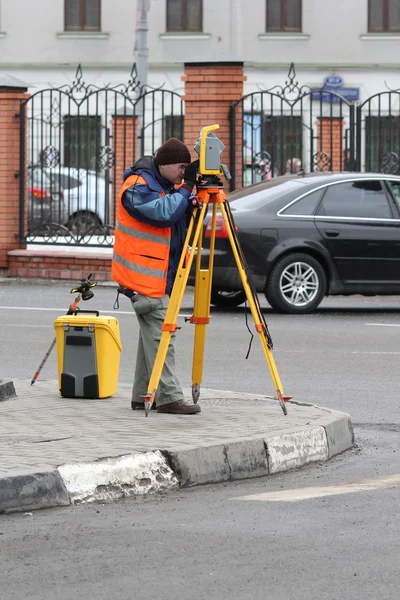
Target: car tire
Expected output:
[84,222]
[296,284]
[223,299]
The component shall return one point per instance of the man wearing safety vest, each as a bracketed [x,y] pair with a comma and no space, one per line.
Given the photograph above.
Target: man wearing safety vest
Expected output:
[152,217]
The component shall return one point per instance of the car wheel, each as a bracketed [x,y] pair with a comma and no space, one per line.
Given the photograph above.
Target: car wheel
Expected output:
[227,299]
[296,284]
[84,222]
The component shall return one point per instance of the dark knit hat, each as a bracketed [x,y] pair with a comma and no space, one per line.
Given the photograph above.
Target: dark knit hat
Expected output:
[172,152]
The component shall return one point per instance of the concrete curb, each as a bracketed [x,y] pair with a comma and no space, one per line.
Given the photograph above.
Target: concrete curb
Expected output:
[162,470]
[29,492]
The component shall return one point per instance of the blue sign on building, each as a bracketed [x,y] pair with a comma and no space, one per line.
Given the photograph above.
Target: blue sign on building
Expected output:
[334,83]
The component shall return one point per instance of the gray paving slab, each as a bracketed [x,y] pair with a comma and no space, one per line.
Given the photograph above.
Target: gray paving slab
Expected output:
[40,432]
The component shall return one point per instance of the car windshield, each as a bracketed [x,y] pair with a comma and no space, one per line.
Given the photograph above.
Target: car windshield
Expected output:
[262,197]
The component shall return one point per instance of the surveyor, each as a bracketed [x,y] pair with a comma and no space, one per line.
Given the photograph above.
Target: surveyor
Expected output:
[154,205]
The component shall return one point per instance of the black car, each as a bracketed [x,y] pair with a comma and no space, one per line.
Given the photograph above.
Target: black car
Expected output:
[310,236]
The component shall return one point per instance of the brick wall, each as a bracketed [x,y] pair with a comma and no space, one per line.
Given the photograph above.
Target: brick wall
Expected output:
[51,264]
[210,90]
[10,101]
[125,147]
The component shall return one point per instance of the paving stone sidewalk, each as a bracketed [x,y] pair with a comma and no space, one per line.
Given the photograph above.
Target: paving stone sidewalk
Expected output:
[57,451]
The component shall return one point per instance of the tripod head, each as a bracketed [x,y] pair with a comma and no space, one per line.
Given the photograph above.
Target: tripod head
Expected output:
[209,148]
[209,181]
[84,288]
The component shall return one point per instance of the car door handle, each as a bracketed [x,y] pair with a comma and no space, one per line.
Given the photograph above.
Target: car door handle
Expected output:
[332,232]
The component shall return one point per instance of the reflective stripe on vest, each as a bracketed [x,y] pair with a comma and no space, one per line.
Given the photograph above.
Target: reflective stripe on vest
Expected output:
[141,251]
[137,268]
[142,235]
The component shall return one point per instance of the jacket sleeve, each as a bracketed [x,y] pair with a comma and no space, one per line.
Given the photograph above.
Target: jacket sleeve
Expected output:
[149,207]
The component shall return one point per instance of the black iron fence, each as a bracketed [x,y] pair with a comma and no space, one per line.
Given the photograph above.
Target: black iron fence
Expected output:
[76,142]
[293,127]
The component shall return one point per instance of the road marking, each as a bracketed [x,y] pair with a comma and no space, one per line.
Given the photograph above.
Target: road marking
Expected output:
[372,352]
[28,326]
[383,324]
[62,310]
[294,495]
[59,310]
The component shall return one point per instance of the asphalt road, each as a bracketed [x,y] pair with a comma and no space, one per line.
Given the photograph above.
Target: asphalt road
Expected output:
[332,530]
[344,356]
[209,543]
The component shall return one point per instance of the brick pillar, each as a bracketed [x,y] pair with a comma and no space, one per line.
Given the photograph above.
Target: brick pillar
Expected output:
[330,144]
[210,90]
[12,93]
[125,148]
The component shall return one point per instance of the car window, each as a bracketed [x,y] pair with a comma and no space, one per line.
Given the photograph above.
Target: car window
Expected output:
[395,189]
[258,199]
[65,181]
[357,199]
[304,206]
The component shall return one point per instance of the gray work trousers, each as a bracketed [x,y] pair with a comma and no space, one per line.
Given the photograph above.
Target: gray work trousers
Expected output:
[150,314]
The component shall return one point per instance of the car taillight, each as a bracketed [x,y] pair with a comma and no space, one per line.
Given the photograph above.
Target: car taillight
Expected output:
[220,228]
[39,193]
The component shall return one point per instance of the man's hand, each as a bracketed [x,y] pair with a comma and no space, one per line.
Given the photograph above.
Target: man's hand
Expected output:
[191,174]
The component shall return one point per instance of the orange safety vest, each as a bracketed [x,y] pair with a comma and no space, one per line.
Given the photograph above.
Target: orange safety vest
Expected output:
[141,251]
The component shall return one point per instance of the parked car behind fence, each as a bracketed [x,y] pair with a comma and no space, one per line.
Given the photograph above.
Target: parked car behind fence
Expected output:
[306,237]
[71,199]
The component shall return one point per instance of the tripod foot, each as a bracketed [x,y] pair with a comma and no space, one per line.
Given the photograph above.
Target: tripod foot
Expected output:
[148,403]
[282,402]
[195,393]
[283,407]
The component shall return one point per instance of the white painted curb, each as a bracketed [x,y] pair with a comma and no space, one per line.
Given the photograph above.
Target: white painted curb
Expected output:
[293,450]
[112,478]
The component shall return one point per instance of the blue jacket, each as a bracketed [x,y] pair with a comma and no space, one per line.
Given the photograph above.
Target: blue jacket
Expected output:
[144,203]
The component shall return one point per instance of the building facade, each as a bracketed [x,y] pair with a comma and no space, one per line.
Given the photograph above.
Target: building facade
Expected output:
[314,83]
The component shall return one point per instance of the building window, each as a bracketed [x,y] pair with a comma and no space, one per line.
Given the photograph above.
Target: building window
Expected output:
[283,15]
[184,15]
[82,141]
[384,15]
[82,15]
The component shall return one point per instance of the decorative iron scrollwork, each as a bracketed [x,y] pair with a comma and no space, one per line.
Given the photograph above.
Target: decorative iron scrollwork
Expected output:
[291,91]
[79,91]
[261,163]
[105,158]
[390,163]
[53,233]
[49,157]
[322,162]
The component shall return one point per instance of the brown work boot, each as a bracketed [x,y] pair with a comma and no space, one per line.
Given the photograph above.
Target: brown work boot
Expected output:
[180,407]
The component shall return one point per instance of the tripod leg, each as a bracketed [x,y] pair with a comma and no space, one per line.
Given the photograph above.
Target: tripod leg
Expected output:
[255,311]
[201,310]
[171,317]
[53,343]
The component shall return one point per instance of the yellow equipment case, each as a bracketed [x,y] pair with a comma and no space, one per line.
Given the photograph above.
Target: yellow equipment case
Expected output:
[88,353]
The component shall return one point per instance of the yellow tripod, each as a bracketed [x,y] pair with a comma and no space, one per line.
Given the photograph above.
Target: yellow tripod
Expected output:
[209,191]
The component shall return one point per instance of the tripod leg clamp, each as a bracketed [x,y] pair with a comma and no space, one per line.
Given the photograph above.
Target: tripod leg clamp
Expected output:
[199,320]
[169,327]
